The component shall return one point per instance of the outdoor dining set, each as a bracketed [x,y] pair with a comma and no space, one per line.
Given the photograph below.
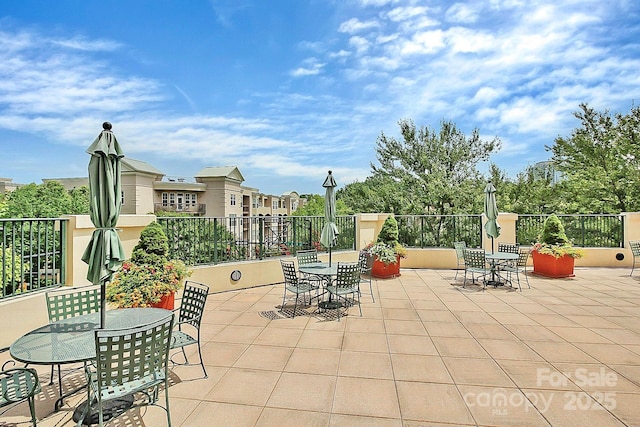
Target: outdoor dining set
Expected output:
[127,358]
[495,268]
[335,286]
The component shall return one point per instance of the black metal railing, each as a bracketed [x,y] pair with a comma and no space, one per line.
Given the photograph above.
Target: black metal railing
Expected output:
[33,254]
[593,230]
[440,231]
[202,240]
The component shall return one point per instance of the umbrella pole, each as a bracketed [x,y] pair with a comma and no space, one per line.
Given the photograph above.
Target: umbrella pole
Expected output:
[103,305]
[329,256]
[492,245]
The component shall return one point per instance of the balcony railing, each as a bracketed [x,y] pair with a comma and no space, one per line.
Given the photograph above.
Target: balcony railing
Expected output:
[33,254]
[593,231]
[200,240]
[440,231]
[196,209]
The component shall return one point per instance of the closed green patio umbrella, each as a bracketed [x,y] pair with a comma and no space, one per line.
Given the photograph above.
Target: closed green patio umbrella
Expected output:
[491,212]
[105,253]
[329,236]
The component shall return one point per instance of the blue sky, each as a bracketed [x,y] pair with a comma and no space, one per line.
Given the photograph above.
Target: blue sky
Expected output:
[288,89]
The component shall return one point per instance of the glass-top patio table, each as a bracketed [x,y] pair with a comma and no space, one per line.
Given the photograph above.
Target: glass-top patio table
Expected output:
[72,340]
[495,260]
[326,272]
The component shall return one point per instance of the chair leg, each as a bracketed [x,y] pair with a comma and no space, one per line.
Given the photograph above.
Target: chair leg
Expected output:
[166,397]
[32,409]
[371,288]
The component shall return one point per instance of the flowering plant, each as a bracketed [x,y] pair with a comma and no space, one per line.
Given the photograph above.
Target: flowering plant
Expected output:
[385,252]
[554,240]
[141,285]
[149,275]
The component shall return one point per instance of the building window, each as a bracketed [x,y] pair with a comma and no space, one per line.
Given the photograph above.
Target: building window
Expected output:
[274,205]
[172,199]
[165,199]
[233,200]
[194,199]
[232,220]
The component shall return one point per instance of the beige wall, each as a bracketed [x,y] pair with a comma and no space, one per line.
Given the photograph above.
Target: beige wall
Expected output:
[138,193]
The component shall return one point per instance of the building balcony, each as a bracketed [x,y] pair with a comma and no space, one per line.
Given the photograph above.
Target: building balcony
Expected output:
[197,209]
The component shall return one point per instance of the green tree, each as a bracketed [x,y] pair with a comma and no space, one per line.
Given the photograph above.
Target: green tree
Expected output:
[47,200]
[315,207]
[376,194]
[436,172]
[601,161]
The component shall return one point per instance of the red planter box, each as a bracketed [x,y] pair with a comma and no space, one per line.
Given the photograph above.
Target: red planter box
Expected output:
[550,266]
[167,302]
[382,271]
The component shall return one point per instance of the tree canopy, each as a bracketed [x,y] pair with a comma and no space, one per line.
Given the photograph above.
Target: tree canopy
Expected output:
[47,200]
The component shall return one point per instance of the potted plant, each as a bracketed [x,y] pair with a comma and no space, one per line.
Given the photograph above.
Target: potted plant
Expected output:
[386,251]
[554,255]
[149,278]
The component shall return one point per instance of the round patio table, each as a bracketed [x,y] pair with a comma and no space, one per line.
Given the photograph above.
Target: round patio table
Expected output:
[495,259]
[72,340]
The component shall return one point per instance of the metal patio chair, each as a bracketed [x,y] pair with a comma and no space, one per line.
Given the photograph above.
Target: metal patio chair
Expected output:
[347,283]
[366,266]
[520,266]
[194,298]
[130,361]
[308,256]
[71,302]
[459,247]
[475,263]
[294,284]
[18,385]
[635,251]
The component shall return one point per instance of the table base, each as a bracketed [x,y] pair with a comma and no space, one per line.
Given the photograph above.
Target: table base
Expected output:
[111,409]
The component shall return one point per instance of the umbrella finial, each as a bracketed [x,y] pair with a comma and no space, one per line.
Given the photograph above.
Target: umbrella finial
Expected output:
[329,172]
[106,126]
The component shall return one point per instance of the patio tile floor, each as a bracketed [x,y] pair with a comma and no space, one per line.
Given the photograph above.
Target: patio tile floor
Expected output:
[428,352]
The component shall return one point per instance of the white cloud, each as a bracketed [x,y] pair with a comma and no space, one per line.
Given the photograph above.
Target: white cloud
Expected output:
[360,44]
[405,13]
[310,67]
[354,25]
[462,13]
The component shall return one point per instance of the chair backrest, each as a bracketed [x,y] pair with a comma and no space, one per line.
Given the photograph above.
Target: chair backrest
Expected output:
[523,257]
[18,384]
[635,247]
[508,247]
[475,258]
[366,262]
[65,303]
[348,275]
[289,272]
[126,355]
[460,247]
[307,256]
[194,298]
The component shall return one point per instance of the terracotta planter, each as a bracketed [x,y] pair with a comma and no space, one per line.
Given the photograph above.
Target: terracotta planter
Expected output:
[550,266]
[382,271]
[167,302]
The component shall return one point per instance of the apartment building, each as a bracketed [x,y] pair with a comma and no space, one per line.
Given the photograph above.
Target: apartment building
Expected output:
[212,192]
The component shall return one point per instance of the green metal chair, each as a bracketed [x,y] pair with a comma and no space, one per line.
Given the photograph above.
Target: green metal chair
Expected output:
[520,266]
[18,385]
[511,248]
[475,263]
[347,283]
[294,284]
[635,251]
[71,302]
[307,256]
[366,266]
[459,247]
[130,361]
[194,298]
